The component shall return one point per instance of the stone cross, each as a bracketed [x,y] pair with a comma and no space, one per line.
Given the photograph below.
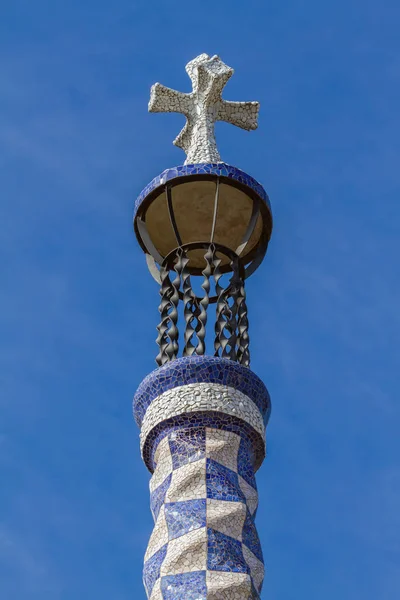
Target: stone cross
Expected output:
[202,107]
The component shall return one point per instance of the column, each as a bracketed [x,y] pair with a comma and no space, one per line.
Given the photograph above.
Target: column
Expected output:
[203,425]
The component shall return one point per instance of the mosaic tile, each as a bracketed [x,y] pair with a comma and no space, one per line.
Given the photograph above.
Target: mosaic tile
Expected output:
[202,107]
[214,533]
[225,553]
[157,497]
[256,568]
[216,420]
[203,397]
[226,517]
[163,460]
[222,170]
[151,569]
[246,461]
[186,553]
[203,493]
[222,483]
[156,593]
[223,447]
[182,517]
[228,586]
[187,445]
[201,369]
[185,586]
[159,536]
[250,537]
[188,482]
[250,494]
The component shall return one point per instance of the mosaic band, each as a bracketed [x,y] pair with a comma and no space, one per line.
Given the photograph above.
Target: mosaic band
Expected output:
[201,369]
[218,169]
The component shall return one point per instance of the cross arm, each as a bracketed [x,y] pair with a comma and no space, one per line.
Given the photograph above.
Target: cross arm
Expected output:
[164,99]
[241,114]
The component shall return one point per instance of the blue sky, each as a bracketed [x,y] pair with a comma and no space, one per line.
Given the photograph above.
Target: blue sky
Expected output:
[78,308]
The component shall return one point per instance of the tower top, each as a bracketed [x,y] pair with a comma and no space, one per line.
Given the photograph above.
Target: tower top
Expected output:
[202,107]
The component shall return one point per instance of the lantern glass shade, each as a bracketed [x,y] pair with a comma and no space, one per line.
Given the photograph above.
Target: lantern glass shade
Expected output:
[204,210]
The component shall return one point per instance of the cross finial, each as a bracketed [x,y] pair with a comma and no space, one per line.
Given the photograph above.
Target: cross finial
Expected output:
[202,107]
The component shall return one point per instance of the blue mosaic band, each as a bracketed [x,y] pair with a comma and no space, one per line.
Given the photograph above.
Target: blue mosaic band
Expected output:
[201,369]
[219,169]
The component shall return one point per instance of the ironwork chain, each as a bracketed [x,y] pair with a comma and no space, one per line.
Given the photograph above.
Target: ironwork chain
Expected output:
[231,324]
[243,353]
[168,332]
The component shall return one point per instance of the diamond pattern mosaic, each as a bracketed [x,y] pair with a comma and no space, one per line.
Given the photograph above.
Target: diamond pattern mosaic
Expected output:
[217,420]
[204,543]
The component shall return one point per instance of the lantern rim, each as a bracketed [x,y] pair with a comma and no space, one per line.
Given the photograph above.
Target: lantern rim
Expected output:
[201,171]
[221,174]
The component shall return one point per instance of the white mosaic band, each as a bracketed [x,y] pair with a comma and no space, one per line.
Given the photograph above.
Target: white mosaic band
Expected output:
[198,397]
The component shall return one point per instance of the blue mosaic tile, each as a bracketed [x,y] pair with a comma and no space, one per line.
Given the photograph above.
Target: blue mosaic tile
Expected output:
[250,537]
[222,483]
[185,586]
[246,461]
[183,517]
[221,169]
[158,496]
[198,369]
[151,570]
[187,446]
[224,553]
[217,420]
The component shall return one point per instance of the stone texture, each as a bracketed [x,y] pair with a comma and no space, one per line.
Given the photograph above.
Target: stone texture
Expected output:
[202,107]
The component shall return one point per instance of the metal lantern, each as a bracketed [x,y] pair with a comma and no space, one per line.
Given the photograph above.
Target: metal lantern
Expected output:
[203,220]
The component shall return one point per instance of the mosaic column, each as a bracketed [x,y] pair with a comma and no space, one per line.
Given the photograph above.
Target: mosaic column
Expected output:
[203,418]
[202,425]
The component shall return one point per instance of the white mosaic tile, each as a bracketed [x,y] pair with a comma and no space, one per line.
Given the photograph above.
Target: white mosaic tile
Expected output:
[188,482]
[202,107]
[163,460]
[156,593]
[197,397]
[161,450]
[250,494]
[226,517]
[228,586]
[256,567]
[186,553]
[223,446]
[159,535]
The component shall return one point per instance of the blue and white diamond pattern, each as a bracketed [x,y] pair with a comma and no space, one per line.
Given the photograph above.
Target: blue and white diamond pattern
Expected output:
[203,498]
